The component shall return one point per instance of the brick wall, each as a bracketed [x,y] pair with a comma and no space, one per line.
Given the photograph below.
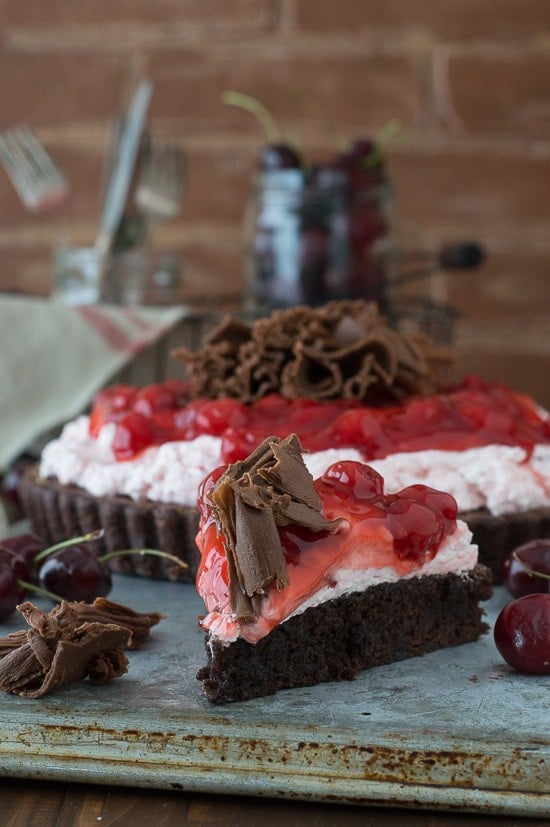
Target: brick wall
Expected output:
[469,79]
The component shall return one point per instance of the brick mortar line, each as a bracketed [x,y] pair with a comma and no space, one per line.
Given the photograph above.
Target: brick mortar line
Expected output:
[229,237]
[267,44]
[25,237]
[524,334]
[423,141]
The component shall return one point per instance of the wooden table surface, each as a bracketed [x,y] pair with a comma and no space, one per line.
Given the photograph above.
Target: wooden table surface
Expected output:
[44,804]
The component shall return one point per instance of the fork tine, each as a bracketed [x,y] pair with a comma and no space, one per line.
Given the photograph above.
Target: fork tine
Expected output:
[35,177]
[161,183]
[37,154]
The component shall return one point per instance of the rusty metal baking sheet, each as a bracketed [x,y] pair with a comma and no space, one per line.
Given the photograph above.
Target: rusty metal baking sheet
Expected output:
[456,729]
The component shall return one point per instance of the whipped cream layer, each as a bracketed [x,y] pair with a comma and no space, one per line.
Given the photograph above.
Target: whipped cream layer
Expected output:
[501,478]
[455,554]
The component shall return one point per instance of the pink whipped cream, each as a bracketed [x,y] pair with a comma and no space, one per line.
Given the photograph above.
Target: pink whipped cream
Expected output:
[501,478]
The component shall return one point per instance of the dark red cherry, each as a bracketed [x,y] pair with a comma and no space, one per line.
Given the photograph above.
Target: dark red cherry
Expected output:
[522,634]
[75,573]
[13,570]
[279,156]
[523,567]
[26,546]
[361,155]
[10,484]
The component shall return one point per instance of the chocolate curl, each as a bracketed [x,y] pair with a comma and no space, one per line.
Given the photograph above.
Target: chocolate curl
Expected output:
[51,654]
[214,365]
[100,611]
[106,611]
[271,487]
[258,373]
[343,350]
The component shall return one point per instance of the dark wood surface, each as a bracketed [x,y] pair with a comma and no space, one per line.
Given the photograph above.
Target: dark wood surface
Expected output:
[44,804]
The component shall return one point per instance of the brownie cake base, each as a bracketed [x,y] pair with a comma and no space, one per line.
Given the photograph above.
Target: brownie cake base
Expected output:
[333,642]
[58,512]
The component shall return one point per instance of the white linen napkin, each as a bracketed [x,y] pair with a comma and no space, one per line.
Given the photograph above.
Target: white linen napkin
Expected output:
[53,359]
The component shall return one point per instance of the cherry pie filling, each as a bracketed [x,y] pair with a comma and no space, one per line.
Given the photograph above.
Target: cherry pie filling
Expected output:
[472,415]
[401,531]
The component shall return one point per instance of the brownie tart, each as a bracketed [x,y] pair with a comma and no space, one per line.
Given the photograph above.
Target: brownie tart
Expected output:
[306,582]
[340,377]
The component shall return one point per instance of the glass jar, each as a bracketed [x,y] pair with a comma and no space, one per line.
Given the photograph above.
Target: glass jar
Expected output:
[76,278]
[319,235]
[144,277]
[130,277]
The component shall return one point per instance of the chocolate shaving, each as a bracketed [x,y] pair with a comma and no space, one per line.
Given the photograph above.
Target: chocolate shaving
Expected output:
[344,350]
[271,488]
[54,653]
[100,611]
[106,611]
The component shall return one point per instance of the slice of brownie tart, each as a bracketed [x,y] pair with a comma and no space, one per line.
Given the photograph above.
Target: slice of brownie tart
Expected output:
[309,581]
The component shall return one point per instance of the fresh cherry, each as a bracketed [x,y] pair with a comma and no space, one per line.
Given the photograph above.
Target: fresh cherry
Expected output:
[14,574]
[25,546]
[75,573]
[279,156]
[10,484]
[522,634]
[526,570]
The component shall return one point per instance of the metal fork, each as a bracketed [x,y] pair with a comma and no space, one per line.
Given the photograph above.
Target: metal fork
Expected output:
[36,178]
[161,184]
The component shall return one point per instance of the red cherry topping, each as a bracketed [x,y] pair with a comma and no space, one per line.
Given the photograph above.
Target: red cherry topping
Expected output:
[214,417]
[159,397]
[205,487]
[522,634]
[355,480]
[134,432]
[469,416]
[526,570]
[108,403]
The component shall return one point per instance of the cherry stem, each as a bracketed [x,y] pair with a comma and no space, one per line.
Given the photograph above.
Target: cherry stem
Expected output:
[34,589]
[387,134]
[529,570]
[257,109]
[143,552]
[86,538]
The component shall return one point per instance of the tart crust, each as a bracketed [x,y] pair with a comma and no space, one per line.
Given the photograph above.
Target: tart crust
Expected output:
[57,512]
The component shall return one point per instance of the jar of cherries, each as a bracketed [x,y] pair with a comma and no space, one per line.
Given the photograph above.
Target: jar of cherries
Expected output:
[321,232]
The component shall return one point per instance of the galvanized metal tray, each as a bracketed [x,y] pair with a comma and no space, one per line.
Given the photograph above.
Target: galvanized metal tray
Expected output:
[456,729]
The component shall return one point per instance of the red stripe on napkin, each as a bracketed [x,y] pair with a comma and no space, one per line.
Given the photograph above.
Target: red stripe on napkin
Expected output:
[113,335]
